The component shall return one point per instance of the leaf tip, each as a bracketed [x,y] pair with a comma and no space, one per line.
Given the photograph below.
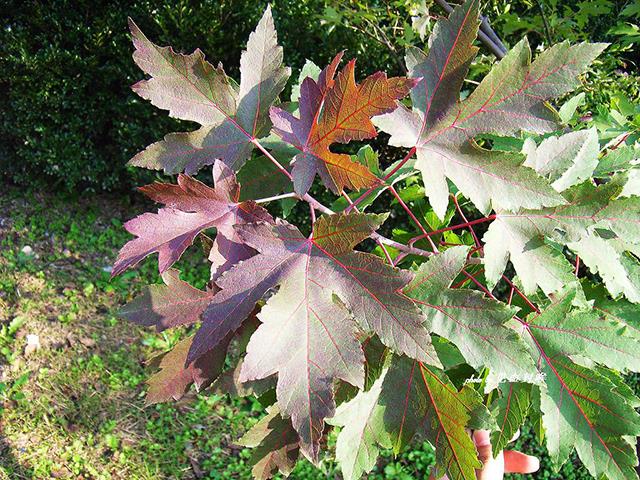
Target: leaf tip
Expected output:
[136,33]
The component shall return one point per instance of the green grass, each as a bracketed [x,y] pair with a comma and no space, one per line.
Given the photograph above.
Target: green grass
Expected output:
[75,408]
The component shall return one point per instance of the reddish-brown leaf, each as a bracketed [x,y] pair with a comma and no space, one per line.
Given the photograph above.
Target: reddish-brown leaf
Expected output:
[336,111]
[191,207]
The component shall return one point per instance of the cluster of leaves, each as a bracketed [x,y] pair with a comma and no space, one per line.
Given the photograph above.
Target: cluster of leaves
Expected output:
[557,19]
[409,340]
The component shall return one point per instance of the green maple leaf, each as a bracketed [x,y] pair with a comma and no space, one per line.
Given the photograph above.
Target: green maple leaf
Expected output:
[190,88]
[363,431]
[614,261]
[475,324]
[511,98]
[565,160]
[510,410]
[538,262]
[585,333]
[595,422]
[585,408]
[596,223]
[620,159]
[410,398]
[422,399]
[620,311]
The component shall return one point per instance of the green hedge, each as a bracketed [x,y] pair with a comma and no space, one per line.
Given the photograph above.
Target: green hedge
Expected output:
[70,120]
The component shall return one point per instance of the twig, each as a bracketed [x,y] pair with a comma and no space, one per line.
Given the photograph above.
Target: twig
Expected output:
[547,30]
[486,34]
[383,41]
[392,49]
[490,32]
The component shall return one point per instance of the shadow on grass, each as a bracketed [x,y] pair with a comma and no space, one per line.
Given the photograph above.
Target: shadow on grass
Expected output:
[10,467]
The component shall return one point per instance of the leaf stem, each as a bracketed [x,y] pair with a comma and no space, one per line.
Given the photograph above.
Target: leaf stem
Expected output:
[277,197]
[520,294]
[463,216]
[413,217]
[480,285]
[312,212]
[383,179]
[410,250]
[454,227]
[271,157]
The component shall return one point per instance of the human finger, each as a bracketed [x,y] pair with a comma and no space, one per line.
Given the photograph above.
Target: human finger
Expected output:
[518,462]
[492,468]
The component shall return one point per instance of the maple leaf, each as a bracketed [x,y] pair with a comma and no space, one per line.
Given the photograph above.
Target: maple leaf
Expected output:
[565,160]
[595,223]
[315,336]
[538,263]
[621,159]
[336,111]
[276,445]
[170,305]
[509,409]
[615,260]
[191,207]
[583,408]
[442,72]
[411,398]
[620,311]
[475,324]
[311,341]
[190,88]
[586,333]
[509,99]
[363,431]
[174,379]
